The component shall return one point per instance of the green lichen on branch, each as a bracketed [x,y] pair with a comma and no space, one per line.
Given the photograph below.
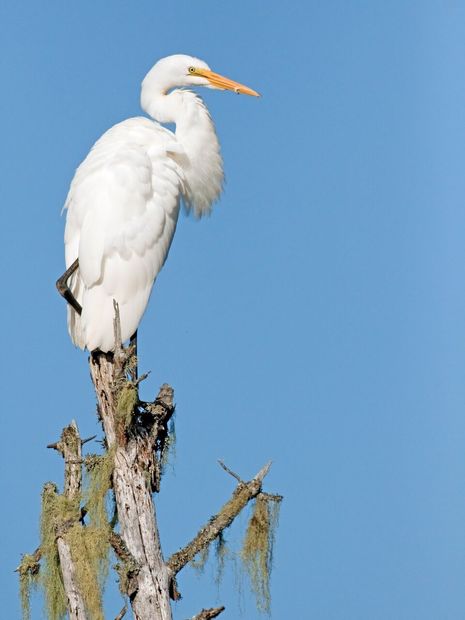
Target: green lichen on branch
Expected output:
[70,437]
[257,548]
[28,570]
[256,554]
[127,400]
[57,511]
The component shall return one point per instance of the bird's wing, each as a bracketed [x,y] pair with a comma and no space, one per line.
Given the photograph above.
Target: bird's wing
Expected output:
[122,208]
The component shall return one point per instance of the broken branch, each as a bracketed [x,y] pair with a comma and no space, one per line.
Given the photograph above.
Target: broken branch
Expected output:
[243,493]
[69,446]
[229,471]
[206,614]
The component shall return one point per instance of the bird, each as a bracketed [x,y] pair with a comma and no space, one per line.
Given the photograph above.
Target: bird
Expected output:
[124,200]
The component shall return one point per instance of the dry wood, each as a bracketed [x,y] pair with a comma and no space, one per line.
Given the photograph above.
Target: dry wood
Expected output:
[122,613]
[70,448]
[207,614]
[134,457]
[76,607]
[243,493]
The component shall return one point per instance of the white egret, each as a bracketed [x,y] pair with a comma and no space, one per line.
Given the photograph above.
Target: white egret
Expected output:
[123,203]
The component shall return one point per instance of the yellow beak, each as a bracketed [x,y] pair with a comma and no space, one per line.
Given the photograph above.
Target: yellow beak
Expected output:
[224,83]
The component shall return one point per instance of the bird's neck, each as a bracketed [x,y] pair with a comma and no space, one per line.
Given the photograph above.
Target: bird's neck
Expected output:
[201,158]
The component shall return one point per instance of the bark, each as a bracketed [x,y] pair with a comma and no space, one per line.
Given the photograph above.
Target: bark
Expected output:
[134,457]
[122,613]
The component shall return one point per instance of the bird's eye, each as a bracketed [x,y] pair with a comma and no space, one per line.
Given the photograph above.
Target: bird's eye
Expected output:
[191,69]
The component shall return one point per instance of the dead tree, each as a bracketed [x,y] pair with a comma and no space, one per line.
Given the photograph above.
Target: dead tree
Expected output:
[76,532]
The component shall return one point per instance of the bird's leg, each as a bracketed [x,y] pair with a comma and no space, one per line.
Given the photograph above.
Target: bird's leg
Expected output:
[133,345]
[64,290]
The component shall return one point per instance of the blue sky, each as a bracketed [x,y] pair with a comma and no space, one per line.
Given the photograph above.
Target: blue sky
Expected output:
[316,318]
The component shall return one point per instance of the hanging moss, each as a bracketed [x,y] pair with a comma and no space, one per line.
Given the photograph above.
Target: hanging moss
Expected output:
[201,559]
[257,549]
[89,551]
[89,545]
[56,510]
[221,553]
[28,578]
[99,470]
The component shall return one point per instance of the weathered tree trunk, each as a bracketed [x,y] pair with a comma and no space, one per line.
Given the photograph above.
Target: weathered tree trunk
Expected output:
[134,458]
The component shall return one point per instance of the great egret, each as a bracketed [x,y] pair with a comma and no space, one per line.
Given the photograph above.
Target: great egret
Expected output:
[123,202]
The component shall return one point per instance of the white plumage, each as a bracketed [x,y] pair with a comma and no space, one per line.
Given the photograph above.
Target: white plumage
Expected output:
[123,203]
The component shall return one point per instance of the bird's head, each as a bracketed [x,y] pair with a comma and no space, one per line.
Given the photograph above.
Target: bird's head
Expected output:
[182,70]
